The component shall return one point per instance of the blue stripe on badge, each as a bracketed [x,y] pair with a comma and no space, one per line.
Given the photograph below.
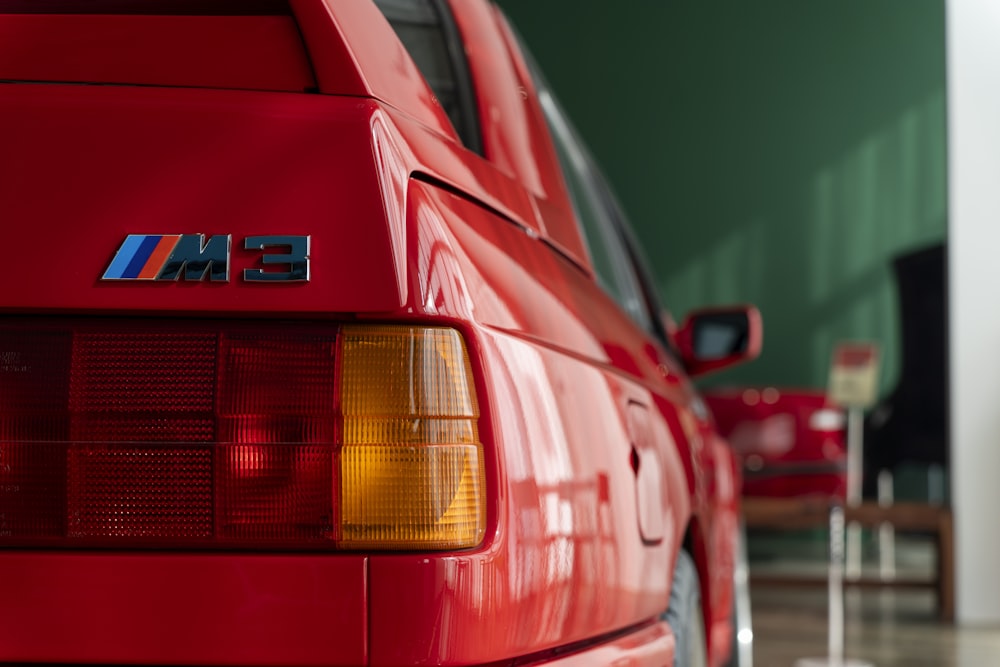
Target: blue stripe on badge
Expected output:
[131,257]
[141,256]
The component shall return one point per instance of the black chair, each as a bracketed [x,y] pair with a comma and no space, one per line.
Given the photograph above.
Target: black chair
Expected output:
[911,424]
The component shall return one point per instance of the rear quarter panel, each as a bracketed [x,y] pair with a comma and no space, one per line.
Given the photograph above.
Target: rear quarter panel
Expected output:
[564,560]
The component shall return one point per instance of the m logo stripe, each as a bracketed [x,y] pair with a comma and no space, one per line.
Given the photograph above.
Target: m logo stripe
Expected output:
[141,257]
[119,265]
[158,257]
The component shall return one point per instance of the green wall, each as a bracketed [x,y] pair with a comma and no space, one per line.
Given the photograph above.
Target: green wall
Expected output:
[778,152]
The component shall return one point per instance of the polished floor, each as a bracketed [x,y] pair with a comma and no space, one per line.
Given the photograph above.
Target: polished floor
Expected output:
[883,627]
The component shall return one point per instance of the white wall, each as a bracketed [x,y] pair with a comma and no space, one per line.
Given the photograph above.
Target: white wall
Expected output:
[973,48]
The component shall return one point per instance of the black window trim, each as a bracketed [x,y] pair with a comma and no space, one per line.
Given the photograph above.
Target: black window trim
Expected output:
[465,87]
[640,267]
[462,109]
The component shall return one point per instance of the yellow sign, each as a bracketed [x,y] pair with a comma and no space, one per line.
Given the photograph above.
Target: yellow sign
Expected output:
[854,374]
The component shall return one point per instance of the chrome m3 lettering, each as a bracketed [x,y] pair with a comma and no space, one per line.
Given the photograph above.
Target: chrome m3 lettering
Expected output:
[157,257]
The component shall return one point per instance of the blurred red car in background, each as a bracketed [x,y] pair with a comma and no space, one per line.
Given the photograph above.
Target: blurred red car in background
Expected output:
[792,442]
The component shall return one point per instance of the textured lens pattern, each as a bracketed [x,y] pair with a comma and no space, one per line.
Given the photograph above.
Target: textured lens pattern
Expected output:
[32,489]
[120,491]
[396,497]
[409,430]
[279,389]
[411,371]
[128,433]
[143,387]
[276,492]
[411,467]
[285,375]
[34,379]
[34,382]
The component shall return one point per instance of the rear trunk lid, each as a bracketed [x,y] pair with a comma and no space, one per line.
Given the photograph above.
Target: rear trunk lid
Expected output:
[84,167]
[202,123]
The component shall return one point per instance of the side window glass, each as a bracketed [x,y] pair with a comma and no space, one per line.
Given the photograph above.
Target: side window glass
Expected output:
[640,267]
[589,212]
[428,31]
[610,257]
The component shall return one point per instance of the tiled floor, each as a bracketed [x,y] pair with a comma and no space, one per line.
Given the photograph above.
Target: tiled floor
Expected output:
[886,628]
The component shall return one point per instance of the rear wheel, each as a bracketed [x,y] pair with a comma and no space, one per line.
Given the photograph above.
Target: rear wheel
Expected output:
[685,616]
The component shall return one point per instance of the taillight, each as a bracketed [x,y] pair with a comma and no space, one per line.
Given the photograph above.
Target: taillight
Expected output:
[277,417]
[137,434]
[411,464]
[34,391]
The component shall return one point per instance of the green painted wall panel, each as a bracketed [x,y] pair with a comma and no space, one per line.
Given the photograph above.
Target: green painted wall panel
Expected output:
[779,152]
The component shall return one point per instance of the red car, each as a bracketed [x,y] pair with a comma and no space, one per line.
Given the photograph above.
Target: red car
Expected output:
[325,343]
[792,441]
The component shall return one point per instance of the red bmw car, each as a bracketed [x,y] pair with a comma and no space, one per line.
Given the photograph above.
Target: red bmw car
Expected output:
[325,343]
[792,442]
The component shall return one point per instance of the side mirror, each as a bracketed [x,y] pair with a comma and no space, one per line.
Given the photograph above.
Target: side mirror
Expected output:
[716,338]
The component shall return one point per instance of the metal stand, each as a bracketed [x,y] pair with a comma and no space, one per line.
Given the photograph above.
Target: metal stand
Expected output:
[886,531]
[855,471]
[835,588]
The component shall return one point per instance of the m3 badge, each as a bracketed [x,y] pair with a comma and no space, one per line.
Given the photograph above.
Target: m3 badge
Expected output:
[171,257]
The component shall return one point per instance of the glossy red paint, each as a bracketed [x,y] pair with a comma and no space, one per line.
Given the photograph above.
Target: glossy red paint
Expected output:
[75,166]
[351,44]
[260,52]
[601,459]
[183,608]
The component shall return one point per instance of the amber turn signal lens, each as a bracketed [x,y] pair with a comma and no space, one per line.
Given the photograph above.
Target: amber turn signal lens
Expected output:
[411,464]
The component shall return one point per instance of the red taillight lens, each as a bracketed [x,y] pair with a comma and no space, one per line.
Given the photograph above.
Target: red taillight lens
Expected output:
[276,492]
[143,386]
[143,434]
[277,409]
[32,490]
[141,492]
[34,385]
[279,389]
[34,389]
